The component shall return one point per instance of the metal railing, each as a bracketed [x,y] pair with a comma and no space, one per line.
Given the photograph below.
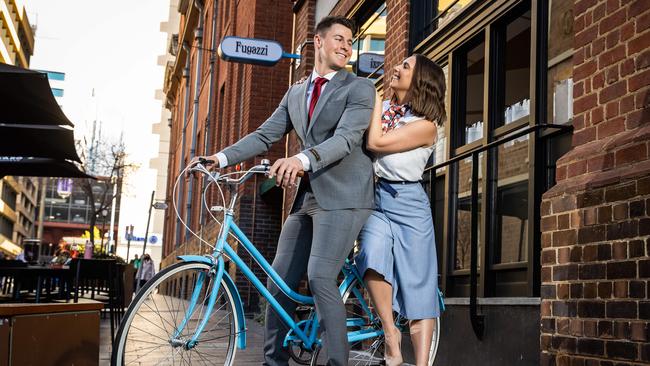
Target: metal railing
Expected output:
[478,320]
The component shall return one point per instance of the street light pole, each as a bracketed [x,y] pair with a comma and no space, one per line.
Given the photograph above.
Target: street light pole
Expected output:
[157,206]
[104,213]
[144,246]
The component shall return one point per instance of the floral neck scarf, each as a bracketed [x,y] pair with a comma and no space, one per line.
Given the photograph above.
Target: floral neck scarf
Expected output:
[391,117]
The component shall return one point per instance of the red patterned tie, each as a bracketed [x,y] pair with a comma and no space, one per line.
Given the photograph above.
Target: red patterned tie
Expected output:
[315,94]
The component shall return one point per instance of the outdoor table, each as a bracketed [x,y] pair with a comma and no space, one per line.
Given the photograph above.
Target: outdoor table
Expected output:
[25,274]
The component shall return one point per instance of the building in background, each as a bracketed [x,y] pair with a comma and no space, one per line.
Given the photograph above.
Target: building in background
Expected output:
[18,212]
[213,103]
[19,194]
[17,36]
[56,80]
[67,211]
[162,129]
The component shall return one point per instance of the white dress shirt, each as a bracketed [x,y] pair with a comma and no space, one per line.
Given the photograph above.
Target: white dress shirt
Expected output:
[223,160]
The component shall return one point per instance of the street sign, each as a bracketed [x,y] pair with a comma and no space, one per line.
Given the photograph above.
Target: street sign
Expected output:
[369,62]
[160,206]
[250,50]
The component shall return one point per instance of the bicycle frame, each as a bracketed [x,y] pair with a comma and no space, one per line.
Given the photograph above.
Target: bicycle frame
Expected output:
[307,335]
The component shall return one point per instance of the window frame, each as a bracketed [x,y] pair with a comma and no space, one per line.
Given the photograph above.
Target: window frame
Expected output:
[490,275]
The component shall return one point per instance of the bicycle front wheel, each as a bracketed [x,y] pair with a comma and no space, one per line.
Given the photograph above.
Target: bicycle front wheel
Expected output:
[162,319]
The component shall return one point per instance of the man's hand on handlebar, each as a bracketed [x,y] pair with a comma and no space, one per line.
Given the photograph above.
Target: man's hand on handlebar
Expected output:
[286,171]
[209,162]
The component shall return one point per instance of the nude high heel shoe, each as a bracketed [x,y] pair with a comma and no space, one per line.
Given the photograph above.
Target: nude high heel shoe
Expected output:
[395,360]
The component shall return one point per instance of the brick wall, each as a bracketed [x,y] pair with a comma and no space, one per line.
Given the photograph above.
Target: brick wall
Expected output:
[397,35]
[596,220]
[243,97]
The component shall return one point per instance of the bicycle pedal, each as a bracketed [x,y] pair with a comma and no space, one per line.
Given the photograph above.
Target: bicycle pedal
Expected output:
[217,208]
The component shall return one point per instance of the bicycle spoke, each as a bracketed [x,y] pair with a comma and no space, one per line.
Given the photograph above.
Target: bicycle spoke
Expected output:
[137,359]
[152,323]
[158,312]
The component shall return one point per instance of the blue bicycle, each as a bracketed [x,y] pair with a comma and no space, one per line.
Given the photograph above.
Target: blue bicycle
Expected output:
[191,312]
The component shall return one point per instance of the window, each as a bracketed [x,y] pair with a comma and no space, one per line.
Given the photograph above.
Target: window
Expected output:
[9,196]
[463,222]
[369,42]
[560,62]
[491,84]
[513,38]
[6,227]
[511,204]
[427,16]
[469,88]
[377,45]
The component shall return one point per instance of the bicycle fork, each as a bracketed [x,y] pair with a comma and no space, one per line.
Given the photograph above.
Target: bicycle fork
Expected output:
[176,340]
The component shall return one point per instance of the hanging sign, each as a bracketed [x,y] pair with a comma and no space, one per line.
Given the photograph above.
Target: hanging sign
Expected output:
[250,50]
[369,62]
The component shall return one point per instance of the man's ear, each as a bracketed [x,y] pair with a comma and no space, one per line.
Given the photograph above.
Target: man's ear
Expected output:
[318,41]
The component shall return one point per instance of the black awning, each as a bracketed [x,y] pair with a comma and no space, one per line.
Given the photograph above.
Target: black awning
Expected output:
[43,141]
[39,167]
[35,136]
[26,98]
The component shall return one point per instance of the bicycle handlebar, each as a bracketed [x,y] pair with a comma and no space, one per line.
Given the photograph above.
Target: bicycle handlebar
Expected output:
[262,168]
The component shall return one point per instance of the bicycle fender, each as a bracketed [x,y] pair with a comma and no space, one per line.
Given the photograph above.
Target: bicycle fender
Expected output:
[239,307]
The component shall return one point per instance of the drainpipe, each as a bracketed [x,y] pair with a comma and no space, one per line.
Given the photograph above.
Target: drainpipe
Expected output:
[198,36]
[210,116]
[41,210]
[186,76]
[286,139]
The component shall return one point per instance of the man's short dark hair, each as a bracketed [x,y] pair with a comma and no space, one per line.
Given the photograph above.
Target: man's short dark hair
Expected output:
[326,23]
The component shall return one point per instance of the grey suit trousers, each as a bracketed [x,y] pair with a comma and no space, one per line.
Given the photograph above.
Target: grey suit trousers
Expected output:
[315,241]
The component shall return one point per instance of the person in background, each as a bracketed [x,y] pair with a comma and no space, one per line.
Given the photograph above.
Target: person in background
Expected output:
[135,262]
[146,270]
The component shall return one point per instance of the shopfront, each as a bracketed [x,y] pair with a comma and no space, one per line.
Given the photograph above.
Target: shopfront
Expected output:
[506,82]
[503,80]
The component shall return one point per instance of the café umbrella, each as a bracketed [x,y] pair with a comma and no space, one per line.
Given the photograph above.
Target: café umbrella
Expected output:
[36,138]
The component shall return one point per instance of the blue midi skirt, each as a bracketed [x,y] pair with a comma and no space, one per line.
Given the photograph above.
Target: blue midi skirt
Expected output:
[398,242]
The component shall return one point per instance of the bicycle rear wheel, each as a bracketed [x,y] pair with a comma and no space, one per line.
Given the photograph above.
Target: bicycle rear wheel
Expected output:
[149,333]
[368,352]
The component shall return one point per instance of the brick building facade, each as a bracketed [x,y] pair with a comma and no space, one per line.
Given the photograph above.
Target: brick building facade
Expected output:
[596,220]
[563,215]
[213,104]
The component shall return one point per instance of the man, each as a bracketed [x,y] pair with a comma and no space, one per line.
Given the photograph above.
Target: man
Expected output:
[330,114]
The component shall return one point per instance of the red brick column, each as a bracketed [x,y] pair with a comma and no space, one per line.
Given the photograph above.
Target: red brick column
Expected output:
[596,220]
[397,35]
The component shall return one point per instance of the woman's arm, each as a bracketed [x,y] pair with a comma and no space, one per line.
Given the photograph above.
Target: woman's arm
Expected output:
[413,135]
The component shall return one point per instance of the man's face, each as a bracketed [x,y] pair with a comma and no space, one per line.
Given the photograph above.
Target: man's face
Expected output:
[334,48]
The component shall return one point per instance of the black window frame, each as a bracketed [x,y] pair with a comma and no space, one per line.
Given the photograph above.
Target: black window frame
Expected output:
[504,280]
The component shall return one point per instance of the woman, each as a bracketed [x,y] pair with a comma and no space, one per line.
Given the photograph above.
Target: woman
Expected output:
[146,270]
[397,256]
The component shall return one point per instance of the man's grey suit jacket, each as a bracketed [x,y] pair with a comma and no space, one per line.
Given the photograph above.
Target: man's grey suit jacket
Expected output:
[341,173]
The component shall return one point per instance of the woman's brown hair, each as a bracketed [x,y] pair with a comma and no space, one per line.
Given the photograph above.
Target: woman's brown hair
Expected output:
[426,95]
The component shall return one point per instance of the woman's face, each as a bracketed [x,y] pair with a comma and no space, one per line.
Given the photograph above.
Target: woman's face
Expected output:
[403,75]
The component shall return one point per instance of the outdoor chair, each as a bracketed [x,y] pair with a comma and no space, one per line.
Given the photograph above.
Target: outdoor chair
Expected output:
[6,281]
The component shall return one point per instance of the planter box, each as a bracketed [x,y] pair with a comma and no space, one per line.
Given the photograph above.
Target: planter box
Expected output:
[49,334]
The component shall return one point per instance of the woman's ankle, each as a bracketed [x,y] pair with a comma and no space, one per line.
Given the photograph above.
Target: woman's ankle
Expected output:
[393,339]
